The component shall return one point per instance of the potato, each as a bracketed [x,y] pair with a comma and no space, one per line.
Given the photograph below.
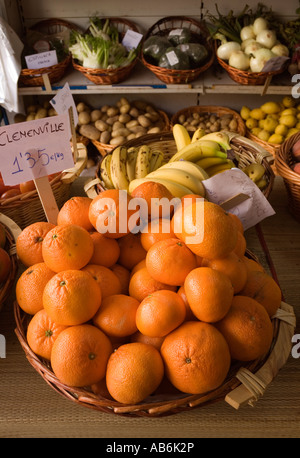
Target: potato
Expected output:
[105,137]
[154,130]
[123,101]
[137,129]
[101,125]
[132,123]
[95,115]
[30,116]
[143,121]
[81,107]
[41,113]
[117,125]
[19,117]
[124,118]
[84,118]
[120,133]
[112,119]
[134,112]
[52,112]
[125,108]
[140,105]
[104,108]
[112,111]
[233,125]
[117,140]
[130,136]
[89,131]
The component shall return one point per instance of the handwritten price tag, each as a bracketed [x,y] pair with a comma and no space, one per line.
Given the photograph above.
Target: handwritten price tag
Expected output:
[63,101]
[35,149]
[41,60]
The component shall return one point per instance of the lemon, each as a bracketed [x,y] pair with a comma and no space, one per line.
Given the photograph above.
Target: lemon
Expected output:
[270,124]
[297,126]
[292,131]
[298,107]
[251,123]
[257,113]
[255,131]
[276,138]
[298,116]
[288,101]
[263,135]
[289,111]
[270,107]
[261,123]
[245,113]
[281,129]
[288,120]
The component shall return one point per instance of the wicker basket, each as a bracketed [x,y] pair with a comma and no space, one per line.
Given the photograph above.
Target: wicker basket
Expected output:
[163,27]
[217,110]
[247,77]
[12,232]
[245,152]
[270,147]
[112,76]
[104,149]
[32,77]
[161,403]
[27,208]
[283,163]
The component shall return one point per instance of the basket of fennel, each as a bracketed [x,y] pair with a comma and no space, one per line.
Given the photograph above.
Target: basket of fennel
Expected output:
[99,53]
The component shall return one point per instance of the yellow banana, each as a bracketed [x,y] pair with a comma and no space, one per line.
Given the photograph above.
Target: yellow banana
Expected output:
[130,162]
[156,160]
[118,168]
[180,177]
[177,190]
[214,169]
[220,137]
[181,136]
[105,172]
[199,133]
[142,165]
[195,151]
[187,166]
[206,162]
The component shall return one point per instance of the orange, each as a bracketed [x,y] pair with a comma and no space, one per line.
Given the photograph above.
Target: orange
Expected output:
[134,371]
[233,266]
[71,297]
[29,242]
[30,287]
[123,275]
[106,250]
[116,316]
[5,265]
[79,355]
[237,222]
[142,284]
[264,289]
[160,313]
[247,329]
[209,293]
[196,357]
[76,211]
[108,281]
[206,229]
[139,337]
[67,247]
[131,250]
[42,333]
[188,312]
[252,265]
[138,266]
[156,197]
[241,245]
[27,186]
[169,261]
[110,213]
[155,231]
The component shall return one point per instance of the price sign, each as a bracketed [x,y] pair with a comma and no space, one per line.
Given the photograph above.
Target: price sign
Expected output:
[63,101]
[41,60]
[131,39]
[35,149]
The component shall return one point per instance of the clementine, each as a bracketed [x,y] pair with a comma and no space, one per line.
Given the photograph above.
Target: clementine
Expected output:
[108,281]
[139,337]
[29,242]
[123,275]
[76,211]
[155,231]
[131,250]
[156,197]
[142,284]
[106,250]
[241,245]
[231,265]
[189,316]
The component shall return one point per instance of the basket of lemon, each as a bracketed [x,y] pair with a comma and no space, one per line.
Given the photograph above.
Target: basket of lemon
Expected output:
[272,123]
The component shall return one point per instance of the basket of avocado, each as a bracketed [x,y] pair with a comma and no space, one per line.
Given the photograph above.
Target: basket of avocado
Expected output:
[177,49]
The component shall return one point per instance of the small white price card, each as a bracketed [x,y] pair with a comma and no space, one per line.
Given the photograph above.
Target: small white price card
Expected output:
[41,60]
[63,101]
[131,39]
[34,149]
[172,58]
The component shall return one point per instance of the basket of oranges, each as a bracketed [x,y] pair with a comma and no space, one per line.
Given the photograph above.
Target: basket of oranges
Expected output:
[156,360]
[9,232]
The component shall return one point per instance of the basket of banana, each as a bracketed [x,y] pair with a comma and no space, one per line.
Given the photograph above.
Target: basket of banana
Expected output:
[181,162]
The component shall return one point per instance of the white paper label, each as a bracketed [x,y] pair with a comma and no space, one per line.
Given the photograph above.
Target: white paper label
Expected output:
[41,60]
[131,39]
[63,101]
[172,58]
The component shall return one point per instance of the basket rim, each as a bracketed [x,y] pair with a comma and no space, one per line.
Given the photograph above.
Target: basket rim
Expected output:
[52,68]
[281,158]
[148,408]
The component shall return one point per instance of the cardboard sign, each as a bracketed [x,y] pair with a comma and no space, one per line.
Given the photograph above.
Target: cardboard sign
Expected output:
[275,63]
[41,60]
[63,101]
[131,39]
[34,149]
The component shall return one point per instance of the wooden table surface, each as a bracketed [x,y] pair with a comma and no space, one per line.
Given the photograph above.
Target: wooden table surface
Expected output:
[30,408]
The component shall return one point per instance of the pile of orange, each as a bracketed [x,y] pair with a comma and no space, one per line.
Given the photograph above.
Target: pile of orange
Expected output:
[175,301]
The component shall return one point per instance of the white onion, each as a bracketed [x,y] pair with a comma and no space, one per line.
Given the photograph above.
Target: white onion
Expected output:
[280,50]
[260,58]
[259,24]
[239,60]
[252,47]
[247,42]
[247,32]
[224,51]
[267,38]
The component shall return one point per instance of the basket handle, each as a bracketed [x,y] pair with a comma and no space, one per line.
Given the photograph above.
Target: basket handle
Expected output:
[89,188]
[71,174]
[264,154]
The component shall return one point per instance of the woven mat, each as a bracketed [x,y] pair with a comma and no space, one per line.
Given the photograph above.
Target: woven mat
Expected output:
[32,409]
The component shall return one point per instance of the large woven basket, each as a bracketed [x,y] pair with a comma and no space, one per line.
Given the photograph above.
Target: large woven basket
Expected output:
[105,148]
[211,109]
[12,232]
[247,77]
[283,163]
[110,76]
[245,152]
[244,384]
[162,28]
[27,208]
[32,77]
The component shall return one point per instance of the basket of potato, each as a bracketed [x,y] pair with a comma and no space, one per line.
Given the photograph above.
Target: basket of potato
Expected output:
[112,125]
[210,119]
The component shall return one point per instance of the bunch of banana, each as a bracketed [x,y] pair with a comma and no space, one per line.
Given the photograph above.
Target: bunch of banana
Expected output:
[256,172]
